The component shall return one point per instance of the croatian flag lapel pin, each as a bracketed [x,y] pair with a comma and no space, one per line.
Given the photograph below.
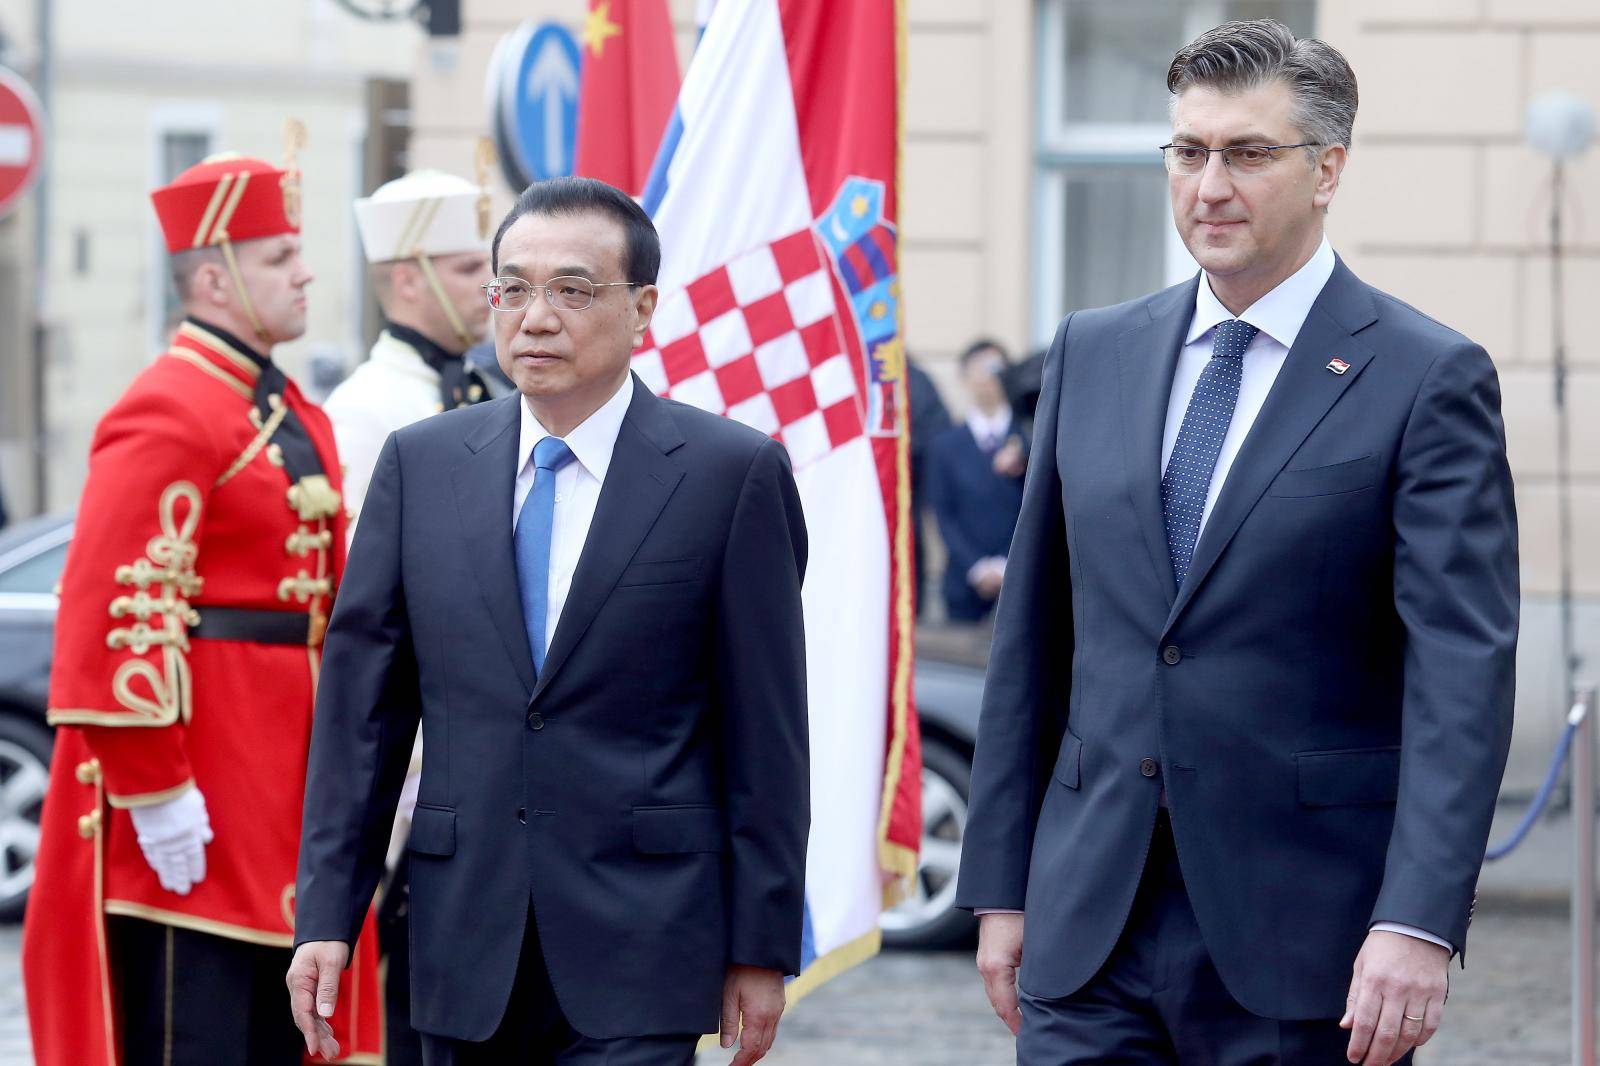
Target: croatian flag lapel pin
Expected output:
[1337,365]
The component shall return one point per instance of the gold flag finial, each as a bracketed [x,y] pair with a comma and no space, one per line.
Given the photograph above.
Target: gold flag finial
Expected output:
[294,140]
[483,159]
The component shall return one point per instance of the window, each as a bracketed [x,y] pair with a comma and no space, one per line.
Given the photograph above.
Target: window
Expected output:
[36,574]
[181,136]
[180,150]
[1105,231]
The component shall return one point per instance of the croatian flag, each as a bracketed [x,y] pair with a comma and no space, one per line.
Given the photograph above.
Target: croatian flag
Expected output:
[775,193]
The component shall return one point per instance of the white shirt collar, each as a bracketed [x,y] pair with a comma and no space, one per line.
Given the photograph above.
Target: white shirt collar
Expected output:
[1280,313]
[592,441]
[989,427]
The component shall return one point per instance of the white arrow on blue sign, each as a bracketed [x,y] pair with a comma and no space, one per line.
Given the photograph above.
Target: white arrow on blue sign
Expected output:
[539,100]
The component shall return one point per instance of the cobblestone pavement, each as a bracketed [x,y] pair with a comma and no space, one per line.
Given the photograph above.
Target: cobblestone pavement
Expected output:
[1508,1008]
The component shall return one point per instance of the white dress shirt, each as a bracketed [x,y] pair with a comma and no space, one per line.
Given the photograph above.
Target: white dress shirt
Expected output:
[1278,316]
[989,430]
[577,489]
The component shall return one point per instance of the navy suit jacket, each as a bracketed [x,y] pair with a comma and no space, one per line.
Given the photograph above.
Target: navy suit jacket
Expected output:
[1327,700]
[649,788]
[977,512]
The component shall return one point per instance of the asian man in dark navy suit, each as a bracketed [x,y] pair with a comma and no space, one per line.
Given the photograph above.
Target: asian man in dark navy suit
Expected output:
[1250,695]
[589,597]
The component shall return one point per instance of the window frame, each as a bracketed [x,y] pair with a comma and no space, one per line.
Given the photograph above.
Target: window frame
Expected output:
[167,119]
[1062,146]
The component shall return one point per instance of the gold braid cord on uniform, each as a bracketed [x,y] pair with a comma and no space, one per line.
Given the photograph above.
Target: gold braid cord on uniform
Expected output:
[159,616]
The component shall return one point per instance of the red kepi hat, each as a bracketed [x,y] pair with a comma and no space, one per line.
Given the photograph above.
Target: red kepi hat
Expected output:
[229,198]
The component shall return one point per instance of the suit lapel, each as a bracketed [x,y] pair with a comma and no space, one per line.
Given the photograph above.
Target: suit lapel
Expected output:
[484,488]
[1303,393]
[639,481]
[1147,360]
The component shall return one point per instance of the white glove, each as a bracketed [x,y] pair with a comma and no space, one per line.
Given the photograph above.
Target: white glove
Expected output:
[173,836]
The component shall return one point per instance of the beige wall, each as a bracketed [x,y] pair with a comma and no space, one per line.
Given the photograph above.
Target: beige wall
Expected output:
[116,75]
[1444,206]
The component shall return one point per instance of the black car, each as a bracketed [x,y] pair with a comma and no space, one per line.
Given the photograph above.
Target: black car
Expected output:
[31,556]
[949,690]
[949,684]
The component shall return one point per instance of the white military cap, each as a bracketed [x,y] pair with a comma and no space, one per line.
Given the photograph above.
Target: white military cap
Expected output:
[427,212]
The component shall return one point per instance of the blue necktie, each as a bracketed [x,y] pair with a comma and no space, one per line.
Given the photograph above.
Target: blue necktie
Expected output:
[534,524]
[1194,457]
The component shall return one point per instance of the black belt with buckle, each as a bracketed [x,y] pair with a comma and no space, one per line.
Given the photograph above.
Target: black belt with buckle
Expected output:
[255,627]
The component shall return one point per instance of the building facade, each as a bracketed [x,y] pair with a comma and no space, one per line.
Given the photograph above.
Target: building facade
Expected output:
[1032,186]
[136,95]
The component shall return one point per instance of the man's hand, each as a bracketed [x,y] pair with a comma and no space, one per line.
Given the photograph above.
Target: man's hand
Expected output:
[756,996]
[1396,997]
[999,956]
[1009,460]
[173,836]
[313,981]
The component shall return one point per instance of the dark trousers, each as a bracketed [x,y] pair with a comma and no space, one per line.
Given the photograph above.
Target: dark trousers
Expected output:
[402,1044]
[534,1032]
[1159,1000]
[193,999]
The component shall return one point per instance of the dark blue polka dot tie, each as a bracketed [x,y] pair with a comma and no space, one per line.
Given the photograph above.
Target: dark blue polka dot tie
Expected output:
[1205,423]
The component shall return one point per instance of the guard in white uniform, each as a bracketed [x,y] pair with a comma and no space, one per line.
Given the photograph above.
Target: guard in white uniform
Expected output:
[426,238]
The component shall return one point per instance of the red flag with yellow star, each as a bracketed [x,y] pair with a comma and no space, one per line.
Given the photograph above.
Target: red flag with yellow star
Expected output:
[630,84]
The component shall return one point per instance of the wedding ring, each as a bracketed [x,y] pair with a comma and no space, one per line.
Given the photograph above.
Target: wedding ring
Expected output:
[1411,1018]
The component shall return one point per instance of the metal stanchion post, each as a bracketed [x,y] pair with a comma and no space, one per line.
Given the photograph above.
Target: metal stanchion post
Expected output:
[1583,877]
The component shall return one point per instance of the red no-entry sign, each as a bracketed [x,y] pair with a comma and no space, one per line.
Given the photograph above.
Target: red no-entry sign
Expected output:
[21,138]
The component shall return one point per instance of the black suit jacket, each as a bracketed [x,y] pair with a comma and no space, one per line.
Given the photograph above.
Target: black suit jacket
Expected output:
[977,512]
[649,788]
[1327,700]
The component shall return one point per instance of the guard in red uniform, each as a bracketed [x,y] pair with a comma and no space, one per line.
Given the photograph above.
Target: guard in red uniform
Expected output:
[205,558]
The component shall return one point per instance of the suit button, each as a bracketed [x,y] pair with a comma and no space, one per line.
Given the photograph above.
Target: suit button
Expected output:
[1170,655]
[1149,767]
[522,815]
[535,721]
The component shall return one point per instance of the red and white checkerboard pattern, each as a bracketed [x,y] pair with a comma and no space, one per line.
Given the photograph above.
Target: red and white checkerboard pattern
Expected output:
[758,340]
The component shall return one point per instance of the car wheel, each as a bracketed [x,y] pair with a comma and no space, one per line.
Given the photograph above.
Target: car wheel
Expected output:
[25,749]
[928,918]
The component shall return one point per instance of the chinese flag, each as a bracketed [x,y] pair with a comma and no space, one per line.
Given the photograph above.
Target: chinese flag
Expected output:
[630,84]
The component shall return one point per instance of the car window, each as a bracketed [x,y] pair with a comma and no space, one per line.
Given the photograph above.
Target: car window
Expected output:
[38,573]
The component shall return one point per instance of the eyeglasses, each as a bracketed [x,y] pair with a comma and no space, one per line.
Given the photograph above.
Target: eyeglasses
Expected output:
[564,294]
[1238,158]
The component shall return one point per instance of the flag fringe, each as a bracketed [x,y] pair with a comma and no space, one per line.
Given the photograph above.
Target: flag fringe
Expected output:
[895,859]
[899,864]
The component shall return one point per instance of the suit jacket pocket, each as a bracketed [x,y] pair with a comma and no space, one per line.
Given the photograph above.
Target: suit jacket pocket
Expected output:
[1355,775]
[676,830]
[1327,480]
[1067,762]
[433,831]
[662,572]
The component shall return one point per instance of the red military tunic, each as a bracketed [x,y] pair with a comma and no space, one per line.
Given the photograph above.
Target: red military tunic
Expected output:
[188,507]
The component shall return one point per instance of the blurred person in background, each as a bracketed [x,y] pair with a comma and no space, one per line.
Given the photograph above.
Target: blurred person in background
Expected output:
[208,546]
[975,486]
[1250,694]
[929,418]
[426,238]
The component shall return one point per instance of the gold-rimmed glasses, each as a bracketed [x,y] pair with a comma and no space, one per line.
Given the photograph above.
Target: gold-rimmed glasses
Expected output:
[564,293]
